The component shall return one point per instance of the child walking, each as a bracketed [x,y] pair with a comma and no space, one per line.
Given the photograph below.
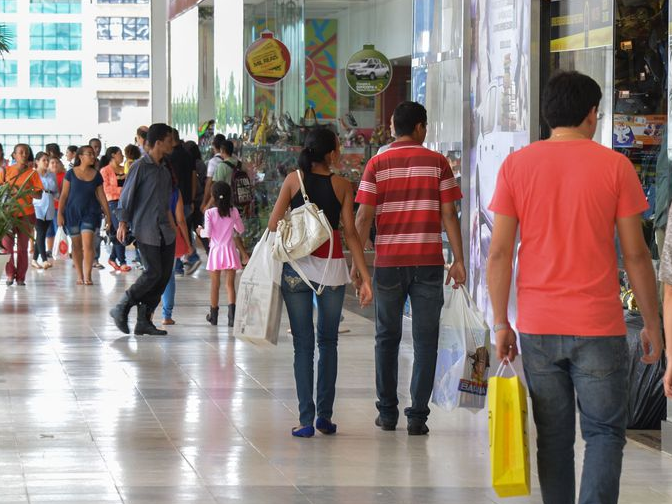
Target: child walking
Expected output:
[220,223]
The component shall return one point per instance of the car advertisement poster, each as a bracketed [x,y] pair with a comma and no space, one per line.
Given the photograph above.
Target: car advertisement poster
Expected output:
[580,24]
[500,118]
[267,60]
[368,72]
[638,130]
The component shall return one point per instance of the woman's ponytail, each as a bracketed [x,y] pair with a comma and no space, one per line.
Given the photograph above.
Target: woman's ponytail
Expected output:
[319,143]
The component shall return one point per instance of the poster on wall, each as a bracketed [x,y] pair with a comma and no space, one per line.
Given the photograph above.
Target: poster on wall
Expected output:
[638,130]
[267,60]
[368,72]
[500,117]
[580,24]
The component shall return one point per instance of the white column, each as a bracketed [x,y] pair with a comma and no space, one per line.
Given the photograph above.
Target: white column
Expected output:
[159,67]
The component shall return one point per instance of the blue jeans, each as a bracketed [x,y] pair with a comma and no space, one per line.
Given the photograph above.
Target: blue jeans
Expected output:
[118,250]
[299,301]
[168,298]
[424,285]
[596,368]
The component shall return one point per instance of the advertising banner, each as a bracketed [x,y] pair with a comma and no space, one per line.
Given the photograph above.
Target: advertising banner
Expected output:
[638,130]
[267,60]
[580,24]
[500,108]
[368,72]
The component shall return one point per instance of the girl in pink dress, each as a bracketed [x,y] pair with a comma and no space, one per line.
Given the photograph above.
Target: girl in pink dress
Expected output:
[220,223]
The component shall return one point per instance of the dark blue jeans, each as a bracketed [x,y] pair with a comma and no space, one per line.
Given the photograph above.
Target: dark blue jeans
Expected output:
[596,368]
[118,253]
[424,285]
[299,301]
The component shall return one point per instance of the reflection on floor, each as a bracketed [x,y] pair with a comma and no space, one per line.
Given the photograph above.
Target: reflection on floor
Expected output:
[88,415]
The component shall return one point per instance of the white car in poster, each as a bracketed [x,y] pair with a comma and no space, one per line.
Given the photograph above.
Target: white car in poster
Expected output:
[353,67]
[373,71]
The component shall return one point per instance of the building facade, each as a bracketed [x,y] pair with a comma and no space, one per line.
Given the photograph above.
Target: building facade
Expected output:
[76,70]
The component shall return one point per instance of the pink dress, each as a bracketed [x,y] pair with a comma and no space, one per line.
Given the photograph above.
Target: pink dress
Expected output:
[223,253]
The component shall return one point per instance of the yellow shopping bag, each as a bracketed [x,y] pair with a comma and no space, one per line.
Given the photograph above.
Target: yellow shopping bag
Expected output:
[509,450]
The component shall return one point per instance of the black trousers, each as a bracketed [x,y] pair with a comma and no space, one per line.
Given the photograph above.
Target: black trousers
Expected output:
[40,248]
[158,263]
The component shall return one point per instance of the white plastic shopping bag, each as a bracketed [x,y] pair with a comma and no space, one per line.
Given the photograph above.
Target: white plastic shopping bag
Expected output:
[259,300]
[61,248]
[463,360]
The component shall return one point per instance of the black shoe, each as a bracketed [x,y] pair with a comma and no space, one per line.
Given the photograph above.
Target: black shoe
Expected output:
[213,315]
[10,281]
[417,428]
[232,314]
[144,324]
[120,313]
[384,425]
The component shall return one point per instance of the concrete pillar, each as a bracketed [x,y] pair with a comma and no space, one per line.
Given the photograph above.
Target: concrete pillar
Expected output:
[159,62]
[206,64]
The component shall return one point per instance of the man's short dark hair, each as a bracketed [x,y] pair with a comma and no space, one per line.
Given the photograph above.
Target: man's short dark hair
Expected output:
[568,98]
[406,116]
[218,141]
[176,135]
[157,132]
[228,147]
[95,140]
[72,148]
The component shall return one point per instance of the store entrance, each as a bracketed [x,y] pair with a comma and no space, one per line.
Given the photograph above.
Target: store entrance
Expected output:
[623,45]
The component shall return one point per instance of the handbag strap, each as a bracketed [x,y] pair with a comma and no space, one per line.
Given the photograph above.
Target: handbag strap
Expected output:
[303,188]
[304,277]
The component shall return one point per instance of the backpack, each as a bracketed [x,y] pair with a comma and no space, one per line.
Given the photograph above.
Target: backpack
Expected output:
[241,186]
[222,172]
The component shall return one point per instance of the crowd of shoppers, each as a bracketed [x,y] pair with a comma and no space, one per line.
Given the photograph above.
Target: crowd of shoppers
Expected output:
[159,194]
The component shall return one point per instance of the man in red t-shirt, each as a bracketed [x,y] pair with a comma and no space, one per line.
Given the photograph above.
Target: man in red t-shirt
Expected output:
[566,195]
[411,192]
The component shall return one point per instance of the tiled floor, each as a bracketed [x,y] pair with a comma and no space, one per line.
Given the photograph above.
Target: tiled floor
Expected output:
[88,415]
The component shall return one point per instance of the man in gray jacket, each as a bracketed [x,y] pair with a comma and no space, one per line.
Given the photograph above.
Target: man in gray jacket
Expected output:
[145,205]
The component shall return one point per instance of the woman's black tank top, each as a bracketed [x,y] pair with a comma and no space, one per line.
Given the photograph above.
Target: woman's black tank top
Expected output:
[321,192]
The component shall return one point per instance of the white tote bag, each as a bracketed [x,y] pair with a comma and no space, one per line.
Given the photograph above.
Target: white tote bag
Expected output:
[259,300]
[302,232]
[463,360]
[62,244]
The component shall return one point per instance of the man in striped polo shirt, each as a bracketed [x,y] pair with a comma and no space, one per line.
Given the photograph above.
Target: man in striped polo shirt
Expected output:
[411,192]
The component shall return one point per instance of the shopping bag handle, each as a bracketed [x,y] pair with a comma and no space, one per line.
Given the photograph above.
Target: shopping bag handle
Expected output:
[502,367]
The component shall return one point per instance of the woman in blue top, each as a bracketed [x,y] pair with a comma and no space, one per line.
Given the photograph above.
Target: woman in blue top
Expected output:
[82,200]
[44,210]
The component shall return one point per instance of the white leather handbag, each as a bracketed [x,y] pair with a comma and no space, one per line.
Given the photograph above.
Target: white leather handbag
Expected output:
[301,233]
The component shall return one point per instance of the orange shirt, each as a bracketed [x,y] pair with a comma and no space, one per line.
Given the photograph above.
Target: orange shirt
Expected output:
[110,185]
[567,197]
[31,179]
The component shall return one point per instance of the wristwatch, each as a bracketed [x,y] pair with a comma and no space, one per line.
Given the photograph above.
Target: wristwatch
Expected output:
[501,327]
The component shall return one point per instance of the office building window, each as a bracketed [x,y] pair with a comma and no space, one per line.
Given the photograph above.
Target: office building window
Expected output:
[8,6]
[123,28]
[37,142]
[10,35]
[27,109]
[56,6]
[60,73]
[56,36]
[123,66]
[109,110]
[123,1]
[8,73]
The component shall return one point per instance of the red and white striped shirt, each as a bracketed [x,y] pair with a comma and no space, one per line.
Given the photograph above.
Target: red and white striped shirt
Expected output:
[407,184]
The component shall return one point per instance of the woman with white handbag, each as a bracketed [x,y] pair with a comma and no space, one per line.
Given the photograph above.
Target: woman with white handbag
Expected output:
[309,244]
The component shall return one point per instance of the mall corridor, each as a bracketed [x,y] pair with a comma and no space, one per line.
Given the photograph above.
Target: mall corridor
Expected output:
[88,415]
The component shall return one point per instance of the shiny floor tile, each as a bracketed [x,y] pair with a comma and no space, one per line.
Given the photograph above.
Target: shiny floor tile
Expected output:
[91,415]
